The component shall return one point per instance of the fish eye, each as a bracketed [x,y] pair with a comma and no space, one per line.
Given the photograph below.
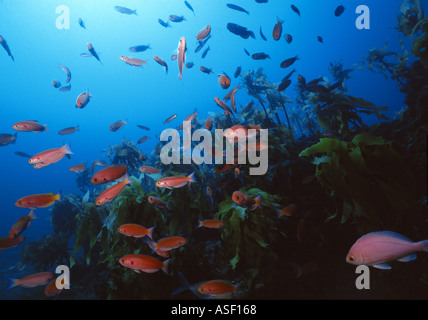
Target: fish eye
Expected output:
[351,258]
[132,262]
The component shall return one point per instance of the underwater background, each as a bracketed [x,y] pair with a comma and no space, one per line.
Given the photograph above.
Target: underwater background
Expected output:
[349,156]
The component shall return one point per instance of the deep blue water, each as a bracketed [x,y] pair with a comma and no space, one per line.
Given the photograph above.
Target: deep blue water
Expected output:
[147,95]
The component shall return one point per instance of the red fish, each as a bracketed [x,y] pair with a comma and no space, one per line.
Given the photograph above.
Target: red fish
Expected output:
[69,130]
[135,230]
[115,126]
[51,289]
[209,123]
[243,200]
[144,263]
[175,181]
[38,200]
[223,81]
[51,155]
[21,225]
[211,224]
[112,192]
[78,168]
[30,126]
[109,174]
[218,288]
[158,202]
[7,242]
[277,30]
[287,211]
[83,99]
[32,280]
[167,244]
[149,170]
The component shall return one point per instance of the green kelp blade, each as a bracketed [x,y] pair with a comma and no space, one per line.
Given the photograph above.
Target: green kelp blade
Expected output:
[367,139]
[324,145]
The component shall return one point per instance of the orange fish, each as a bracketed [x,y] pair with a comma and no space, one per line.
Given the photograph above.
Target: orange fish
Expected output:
[32,280]
[277,30]
[211,224]
[237,172]
[175,181]
[109,194]
[38,200]
[51,155]
[51,289]
[115,126]
[240,131]
[149,170]
[109,174]
[158,202]
[30,126]
[83,99]
[78,168]
[167,244]
[218,288]
[246,201]
[209,123]
[232,98]
[164,254]
[135,230]
[287,211]
[21,225]
[144,263]
[223,105]
[7,242]
[203,33]
[223,81]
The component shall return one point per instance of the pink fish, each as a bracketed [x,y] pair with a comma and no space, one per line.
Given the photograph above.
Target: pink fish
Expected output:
[377,248]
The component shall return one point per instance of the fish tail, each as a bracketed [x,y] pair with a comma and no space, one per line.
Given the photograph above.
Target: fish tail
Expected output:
[191,178]
[15,137]
[135,12]
[12,284]
[258,201]
[424,245]
[66,149]
[185,285]
[31,215]
[152,245]
[46,127]
[165,266]
[150,233]
[278,212]
[199,224]
[58,196]
[180,76]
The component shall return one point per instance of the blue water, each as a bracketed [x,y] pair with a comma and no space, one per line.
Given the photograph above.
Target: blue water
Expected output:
[147,95]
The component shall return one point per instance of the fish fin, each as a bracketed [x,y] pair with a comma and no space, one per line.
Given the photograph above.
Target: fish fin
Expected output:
[47,205]
[137,271]
[383,266]
[150,230]
[31,215]
[191,178]
[152,245]
[408,258]
[165,266]
[58,196]
[424,245]
[199,224]
[12,284]
[66,149]
[185,285]
[135,12]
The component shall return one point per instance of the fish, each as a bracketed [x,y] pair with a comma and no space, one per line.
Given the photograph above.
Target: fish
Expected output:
[135,62]
[206,70]
[6,47]
[223,81]
[189,65]
[191,117]
[221,289]
[223,105]
[204,54]
[111,193]
[143,127]
[288,62]
[109,174]
[22,154]
[148,170]
[232,98]
[92,51]
[83,99]
[170,118]
[202,43]
[125,10]
[237,72]
[167,244]
[246,52]
[339,10]
[115,126]
[376,249]
[174,57]
[49,155]
[288,38]
[164,254]
[143,139]
[159,203]
[144,263]
[210,224]
[32,280]
[283,85]
[288,211]
[30,126]
[204,33]
[68,130]
[163,23]
[261,1]
[67,72]
[140,48]
[56,84]
[237,8]
[175,18]
[21,225]
[7,242]
[260,56]
[38,200]
[262,35]
[320,39]
[175,181]
[135,230]
[51,289]
[81,23]
[209,123]
[66,88]
[295,9]
[245,201]
[240,131]
[86,55]
[78,168]
[240,31]
[277,30]
[182,48]
[162,63]
[190,7]
[318,88]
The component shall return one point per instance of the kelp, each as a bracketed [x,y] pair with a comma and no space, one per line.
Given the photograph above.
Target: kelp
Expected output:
[420,44]
[247,235]
[126,153]
[367,179]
